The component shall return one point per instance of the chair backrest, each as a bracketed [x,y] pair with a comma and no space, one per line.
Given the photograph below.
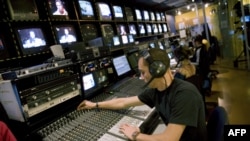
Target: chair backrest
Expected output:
[197,80]
[215,124]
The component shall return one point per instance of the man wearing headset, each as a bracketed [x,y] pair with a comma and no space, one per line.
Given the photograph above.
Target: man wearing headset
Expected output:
[178,102]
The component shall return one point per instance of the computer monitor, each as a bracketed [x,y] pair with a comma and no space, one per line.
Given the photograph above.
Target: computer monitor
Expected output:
[89,32]
[145,15]
[155,29]
[121,29]
[142,29]
[107,30]
[129,14]
[86,10]
[121,65]
[132,29]
[163,17]
[116,41]
[23,9]
[104,11]
[164,26]
[101,76]
[152,16]
[131,38]
[124,39]
[88,81]
[160,45]
[149,29]
[32,40]
[138,15]
[118,13]
[58,8]
[158,16]
[133,59]
[152,45]
[65,33]
[159,28]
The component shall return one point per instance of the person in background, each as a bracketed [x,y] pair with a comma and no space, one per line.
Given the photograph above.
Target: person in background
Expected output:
[33,41]
[178,102]
[67,37]
[185,69]
[5,133]
[60,10]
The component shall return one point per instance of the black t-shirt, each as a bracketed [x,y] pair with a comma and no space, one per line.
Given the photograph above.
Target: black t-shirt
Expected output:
[180,103]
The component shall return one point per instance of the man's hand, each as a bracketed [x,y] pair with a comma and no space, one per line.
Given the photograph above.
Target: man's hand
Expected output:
[86,105]
[128,130]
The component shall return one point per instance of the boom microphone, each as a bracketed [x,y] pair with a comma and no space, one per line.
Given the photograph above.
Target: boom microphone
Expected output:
[148,82]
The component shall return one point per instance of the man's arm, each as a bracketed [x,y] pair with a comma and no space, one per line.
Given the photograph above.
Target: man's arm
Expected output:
[117,103]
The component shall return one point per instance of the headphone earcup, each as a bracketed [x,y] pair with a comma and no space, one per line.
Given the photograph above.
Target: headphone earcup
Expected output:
[157,69]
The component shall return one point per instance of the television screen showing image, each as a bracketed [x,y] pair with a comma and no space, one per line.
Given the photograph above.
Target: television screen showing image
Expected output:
[149,29]
[159,28]
[23,9]
[158,16]
[31,37]
[152,16]
[124,39]
[118,14]
[155,29]
[160,45]
[165,29]
[121,29]
[152,45]
[138,14]
[129,14]
[116,41]
[131,38]
[132,29]
[104,11]
[142,29]
[121,65]
[163,17]
[145,15]
[58,8]
[86,9]
[65,34]
[101,76]
[88,81]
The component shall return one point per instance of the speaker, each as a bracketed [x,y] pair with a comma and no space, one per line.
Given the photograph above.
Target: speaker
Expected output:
[156,67]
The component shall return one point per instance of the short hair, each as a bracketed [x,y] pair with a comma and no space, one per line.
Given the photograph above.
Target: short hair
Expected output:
[159,55]
[198,38]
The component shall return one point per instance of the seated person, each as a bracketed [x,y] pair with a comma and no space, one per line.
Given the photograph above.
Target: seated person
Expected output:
[185,69]
[5,133]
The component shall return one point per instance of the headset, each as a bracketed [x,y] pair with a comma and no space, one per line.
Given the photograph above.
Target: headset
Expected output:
[156,67]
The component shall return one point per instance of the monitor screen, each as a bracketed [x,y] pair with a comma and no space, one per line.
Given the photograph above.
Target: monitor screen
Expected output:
[23,9]
[88,81]
[58,8]
[155,29]
[32,40]
[138,14]
[159,28]
[152,16]
[152,45]
[160,45]
[121,29]
[116,41]
[124,39]
[149,29]
[131,38]
[129,14]
[86,9]
[65,34]
[165,29]
[142,29]
[132,29]
[158,16]
[104,11]
[145,15]
[163,17]
[89,32]
[118,13]
[133,60]
[101,76]
[121,65]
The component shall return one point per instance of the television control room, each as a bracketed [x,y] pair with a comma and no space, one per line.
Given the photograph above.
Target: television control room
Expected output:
[108,70]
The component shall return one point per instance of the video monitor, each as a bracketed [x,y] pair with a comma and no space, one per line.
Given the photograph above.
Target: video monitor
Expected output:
[116,41]
[159,28]
[121,29]
[138,15]
[155,29]
[107,30]
[89,32]
[152,16]
[158,16]
[32,40]
[121,65]
[129,14]
[149,29]
[131,38]
[142,29]
[104,11]
[58,8]
[160,45]
[145,15]
[152,45]
[23,9]
[86,9]
[133,59]
[65,34]
[101,76]
[163,17]
[132,29]
[165,29]
[88,81]
[124,39]
[118,13]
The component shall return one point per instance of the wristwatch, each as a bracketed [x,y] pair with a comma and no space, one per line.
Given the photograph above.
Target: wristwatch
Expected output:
[135,134]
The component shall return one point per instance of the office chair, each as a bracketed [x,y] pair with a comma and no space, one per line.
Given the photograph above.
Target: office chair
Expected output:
[215,124]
